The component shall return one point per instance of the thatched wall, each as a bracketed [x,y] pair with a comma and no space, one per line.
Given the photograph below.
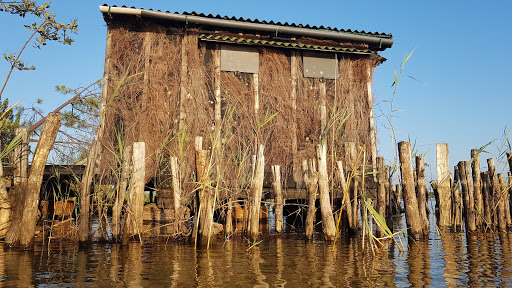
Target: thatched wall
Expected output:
[147,107]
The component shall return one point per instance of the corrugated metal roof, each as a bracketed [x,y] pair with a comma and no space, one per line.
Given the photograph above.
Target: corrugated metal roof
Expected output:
[286,24]
[281,44]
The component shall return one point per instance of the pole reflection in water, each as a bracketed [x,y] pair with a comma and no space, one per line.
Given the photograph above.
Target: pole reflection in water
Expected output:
[255,258]
[506,273]
[418,260]
[329,267]
[18,269]
[280,282]
[204,270]
[450,267]
[132,264]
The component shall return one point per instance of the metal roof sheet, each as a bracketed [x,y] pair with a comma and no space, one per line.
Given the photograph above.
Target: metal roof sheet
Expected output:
[286,24]
[281,44]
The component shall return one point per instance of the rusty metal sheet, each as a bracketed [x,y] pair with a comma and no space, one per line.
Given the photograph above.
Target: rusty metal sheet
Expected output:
[239,59]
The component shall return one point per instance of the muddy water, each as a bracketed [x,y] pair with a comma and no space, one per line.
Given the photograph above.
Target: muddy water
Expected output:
[450,260]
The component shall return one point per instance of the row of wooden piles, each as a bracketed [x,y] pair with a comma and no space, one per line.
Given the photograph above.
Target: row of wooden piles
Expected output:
[467,200]
[476,200]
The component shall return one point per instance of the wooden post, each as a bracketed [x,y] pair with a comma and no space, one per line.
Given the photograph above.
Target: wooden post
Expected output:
[257,191]
[278,202]
[93,156]
[391,208]
[487,197]
[323,109]
[351,156]
[346,205]
[148,39]
[293,97]
[443,185]
[311,180]
[183,81]
[256,93]
[382,178]
[477,188]
[121,191]
[498,205]
[504,199]
[329,227]
[134,213]
[23,223]
[508,202]
[509,160]
[467,193]
[176,193]
[229,218]
[205,216]
[218,106]
[421,193]
[373,134]
[399,195]
[412,215]
[457,204]
[5,204]
[21,158]
[85,192]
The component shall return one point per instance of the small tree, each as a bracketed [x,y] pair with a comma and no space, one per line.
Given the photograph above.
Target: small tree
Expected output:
[47,28]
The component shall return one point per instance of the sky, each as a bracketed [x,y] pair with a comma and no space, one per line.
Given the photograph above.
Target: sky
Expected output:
[453,88]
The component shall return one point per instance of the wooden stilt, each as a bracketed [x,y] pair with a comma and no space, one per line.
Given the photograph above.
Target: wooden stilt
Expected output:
[205,217]
[278,202]
[351,157]
[134,213]
[382,178]
[443,185]
[23,224]
[176,193]
[329,227]
[121,191]
[412,215]
[457,203]
[256,193]
[477,188]
[505,200]
[487,198]
[346,205]
[183,81]
[311,181]
[421,194]
[467,193]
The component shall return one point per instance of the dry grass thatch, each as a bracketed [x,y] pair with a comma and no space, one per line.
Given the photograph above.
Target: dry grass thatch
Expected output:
[148,109]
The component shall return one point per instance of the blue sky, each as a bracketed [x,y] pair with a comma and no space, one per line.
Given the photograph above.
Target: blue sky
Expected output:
[454,88]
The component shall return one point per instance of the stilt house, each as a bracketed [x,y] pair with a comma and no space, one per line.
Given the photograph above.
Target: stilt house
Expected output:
[237,83]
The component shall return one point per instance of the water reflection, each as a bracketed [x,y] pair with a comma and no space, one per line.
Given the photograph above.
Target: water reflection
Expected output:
[418,260]
[450,259]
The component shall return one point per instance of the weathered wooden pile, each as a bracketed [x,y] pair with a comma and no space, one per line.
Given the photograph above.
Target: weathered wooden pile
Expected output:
[465,201]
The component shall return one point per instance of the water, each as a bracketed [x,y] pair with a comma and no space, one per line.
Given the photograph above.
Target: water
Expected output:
[450,260]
